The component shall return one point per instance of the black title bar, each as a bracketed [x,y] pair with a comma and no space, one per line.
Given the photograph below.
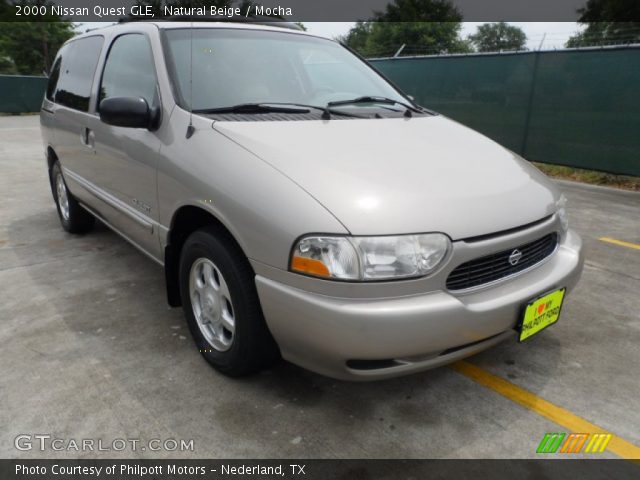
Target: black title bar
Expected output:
[313,10]
[300,469]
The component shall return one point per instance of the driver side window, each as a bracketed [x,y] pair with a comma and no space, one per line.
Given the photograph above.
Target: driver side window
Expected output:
[129,70]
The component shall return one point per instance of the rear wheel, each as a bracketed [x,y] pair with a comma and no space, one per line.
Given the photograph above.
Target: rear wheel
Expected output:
[222,306]
[73,217]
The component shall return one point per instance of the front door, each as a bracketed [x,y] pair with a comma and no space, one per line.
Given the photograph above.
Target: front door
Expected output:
[124,167]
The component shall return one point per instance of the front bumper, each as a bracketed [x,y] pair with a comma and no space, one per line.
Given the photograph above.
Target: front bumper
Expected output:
[376,338]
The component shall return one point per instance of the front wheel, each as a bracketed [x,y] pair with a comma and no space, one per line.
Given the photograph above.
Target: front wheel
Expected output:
[73,217]
[222,306]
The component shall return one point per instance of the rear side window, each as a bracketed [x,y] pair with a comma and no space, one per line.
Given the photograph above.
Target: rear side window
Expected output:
[129,70]
[77,68]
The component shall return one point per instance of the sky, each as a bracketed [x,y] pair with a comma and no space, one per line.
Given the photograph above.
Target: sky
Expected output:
[550,34]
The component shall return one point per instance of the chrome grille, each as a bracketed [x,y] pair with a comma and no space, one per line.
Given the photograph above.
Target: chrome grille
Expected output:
[490,268]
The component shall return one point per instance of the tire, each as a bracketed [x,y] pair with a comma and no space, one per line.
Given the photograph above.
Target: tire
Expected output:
[221,305]
[73,217]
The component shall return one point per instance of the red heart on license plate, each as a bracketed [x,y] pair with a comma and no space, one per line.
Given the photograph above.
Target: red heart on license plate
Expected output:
[541,309]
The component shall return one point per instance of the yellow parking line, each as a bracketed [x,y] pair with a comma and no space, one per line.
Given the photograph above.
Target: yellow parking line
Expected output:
[635,246]
[542,407]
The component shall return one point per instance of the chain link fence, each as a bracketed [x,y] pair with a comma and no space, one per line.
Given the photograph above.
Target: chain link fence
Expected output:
[558,40]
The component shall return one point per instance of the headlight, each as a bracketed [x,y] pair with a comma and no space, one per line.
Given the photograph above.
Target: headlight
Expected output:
[369,258]
[561,205]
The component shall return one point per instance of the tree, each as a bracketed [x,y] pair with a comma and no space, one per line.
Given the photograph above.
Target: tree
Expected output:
[423,26]
[605,21]
[6,11]
[7,67]
[29,48]
[494,37]
[357,36]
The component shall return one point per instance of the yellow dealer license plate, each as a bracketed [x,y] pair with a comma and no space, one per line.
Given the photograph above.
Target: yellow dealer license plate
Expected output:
[541,313]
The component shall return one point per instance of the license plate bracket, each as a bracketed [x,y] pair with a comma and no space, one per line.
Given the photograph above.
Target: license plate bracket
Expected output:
[540,313]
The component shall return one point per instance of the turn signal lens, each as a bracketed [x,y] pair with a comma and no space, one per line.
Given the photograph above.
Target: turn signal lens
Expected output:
[310,266]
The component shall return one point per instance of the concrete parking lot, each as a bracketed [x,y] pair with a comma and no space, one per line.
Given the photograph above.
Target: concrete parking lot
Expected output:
[89,349]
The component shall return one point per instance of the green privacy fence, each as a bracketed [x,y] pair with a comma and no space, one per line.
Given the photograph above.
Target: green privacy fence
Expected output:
[21,93]
[579,108]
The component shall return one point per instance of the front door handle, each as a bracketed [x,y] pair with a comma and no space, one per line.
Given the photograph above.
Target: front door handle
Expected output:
[87,137]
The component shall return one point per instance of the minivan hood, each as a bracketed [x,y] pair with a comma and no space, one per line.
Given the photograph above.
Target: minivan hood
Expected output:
[395,176]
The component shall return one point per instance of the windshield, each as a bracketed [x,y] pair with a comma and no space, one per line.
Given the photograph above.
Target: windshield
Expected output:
[240,66]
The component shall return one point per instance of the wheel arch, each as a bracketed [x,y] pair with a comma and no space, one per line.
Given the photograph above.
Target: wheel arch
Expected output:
[186,220]
[51,157]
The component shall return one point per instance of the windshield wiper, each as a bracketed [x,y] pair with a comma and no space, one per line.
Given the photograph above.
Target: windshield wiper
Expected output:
[326,111]
[254,108]
[276,107]
[376,99]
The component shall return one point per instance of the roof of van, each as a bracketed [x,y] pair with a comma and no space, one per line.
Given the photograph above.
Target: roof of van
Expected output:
[212,22]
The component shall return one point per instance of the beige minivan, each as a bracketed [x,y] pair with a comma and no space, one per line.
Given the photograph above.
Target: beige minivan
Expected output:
[301,205]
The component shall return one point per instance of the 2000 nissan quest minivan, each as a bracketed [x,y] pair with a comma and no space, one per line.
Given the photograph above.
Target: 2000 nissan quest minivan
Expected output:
[301,205]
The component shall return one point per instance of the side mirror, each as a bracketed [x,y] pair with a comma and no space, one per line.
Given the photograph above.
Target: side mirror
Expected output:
[128,112]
